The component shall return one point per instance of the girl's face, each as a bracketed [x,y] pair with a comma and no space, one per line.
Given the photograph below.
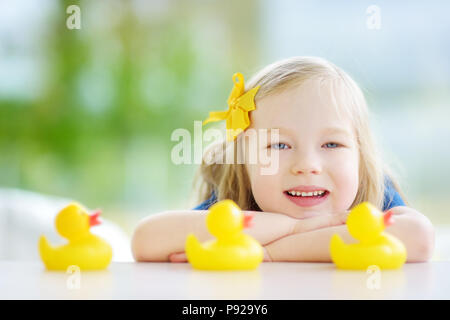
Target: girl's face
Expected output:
[317,151]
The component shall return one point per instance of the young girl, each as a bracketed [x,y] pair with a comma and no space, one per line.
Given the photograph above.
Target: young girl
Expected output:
[327,163]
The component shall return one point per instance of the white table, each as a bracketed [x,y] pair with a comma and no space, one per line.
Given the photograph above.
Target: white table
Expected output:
[30,280]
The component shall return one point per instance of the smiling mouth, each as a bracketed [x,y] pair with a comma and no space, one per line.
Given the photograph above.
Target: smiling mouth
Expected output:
[307,199]
[310,194]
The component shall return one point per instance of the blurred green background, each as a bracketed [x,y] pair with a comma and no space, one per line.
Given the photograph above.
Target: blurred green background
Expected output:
[88,114]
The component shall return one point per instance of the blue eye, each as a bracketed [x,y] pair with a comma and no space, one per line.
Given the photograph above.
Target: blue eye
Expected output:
[332,145]
[279,146]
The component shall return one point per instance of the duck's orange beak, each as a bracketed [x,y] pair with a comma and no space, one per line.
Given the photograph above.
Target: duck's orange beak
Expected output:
[247,220]
[94,219]
[388,219]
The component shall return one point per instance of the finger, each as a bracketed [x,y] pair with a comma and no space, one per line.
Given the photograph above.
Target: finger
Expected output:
[342,217]
[323,221]
[178,257]
[267,257]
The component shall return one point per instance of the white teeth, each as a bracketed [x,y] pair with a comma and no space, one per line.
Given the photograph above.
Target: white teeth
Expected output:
[306,194]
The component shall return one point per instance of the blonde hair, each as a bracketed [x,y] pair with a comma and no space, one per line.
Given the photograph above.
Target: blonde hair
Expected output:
[231,181]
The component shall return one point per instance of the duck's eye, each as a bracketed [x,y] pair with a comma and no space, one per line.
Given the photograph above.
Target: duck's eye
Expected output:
[279,146]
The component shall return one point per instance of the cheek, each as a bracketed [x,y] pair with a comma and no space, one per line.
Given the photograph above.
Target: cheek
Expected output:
[264,187]
[345,175]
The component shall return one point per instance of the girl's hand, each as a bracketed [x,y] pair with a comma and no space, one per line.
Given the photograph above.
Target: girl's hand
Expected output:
[178,257]
[323,221]
[300,226]
[267,257]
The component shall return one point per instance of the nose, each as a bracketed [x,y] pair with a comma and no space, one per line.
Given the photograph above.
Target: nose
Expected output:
[306,164]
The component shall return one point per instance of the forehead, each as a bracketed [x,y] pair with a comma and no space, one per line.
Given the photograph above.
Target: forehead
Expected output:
[310,106]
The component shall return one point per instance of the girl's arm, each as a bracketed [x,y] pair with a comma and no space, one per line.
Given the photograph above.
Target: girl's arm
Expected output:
[159,235]
[410,226]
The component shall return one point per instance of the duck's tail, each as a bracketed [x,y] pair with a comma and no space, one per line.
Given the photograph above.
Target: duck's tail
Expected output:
[45,250]
[337,248]
[193,248]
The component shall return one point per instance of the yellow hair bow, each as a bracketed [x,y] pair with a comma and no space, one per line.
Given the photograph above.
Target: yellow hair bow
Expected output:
[239,105]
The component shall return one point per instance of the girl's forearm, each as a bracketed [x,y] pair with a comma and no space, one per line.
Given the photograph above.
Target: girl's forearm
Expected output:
[310,246]
[159,235]
[412,228]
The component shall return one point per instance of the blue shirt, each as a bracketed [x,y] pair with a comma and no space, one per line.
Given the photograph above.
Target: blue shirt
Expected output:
[391,198]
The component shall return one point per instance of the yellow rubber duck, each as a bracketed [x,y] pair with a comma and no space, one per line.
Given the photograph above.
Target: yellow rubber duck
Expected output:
[233,249]
[366,223]
[84,249]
